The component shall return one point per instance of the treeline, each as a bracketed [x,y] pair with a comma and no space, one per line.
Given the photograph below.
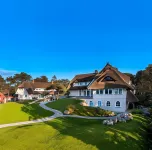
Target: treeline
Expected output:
[11,83]
[143,85]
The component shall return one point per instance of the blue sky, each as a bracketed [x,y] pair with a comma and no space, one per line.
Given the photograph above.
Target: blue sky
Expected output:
[70,37]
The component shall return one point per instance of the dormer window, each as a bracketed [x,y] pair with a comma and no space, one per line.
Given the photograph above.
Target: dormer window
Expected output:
[108,78]
[81,83]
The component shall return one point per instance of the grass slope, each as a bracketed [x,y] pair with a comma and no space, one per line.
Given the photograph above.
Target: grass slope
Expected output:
[61,104]
[75,134]
[15,112]
[80,110]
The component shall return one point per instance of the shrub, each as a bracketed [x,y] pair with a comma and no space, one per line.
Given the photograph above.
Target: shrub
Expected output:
[150,110]
[137,111]
[71,108]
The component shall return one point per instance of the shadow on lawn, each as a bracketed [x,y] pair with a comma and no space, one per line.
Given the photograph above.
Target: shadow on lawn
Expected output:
[35,111]
[130,135]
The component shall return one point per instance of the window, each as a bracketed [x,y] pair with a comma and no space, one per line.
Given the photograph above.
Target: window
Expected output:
[99,103]
[91,103]
[110,91]
[25,95]
[108,103]
[79,92]
[120,91]
[84,93]
[108,78]
[106,91]
[88,93]
[86,83]
[81,83]
[101,91]
[116,91]
[117,104]
[97,91]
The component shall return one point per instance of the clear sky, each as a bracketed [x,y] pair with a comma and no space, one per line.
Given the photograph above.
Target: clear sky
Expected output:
[66,37]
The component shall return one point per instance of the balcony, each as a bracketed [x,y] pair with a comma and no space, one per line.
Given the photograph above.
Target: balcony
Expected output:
[83,97]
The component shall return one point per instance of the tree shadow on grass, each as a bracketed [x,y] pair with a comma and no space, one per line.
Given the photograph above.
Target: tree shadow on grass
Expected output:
[103,137]
[35,111]
[130,135]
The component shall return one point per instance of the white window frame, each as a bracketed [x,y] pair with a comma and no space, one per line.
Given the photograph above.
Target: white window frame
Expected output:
[108,91]
[119,92]
[106,104]
[116,105]
[100,92]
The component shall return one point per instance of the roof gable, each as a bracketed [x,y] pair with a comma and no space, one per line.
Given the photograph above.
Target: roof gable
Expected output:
[119,79]
[109,76]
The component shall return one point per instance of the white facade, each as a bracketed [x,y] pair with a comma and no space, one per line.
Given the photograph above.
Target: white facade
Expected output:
[113,100]
[74,93]
[23,94]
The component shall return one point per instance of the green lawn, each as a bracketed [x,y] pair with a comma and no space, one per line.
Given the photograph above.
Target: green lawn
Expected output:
[61,104]
[75,134]
[79,110]
[16,112]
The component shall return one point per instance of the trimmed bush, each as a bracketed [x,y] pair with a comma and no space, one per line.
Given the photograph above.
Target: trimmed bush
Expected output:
[71,108]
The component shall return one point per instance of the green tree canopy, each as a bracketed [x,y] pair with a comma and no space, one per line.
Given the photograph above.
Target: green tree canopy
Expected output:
[41,79]
[54,78]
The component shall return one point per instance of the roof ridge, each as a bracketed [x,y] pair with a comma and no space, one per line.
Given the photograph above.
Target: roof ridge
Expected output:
[84,74]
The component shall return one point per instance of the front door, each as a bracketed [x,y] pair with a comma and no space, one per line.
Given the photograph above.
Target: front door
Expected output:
[88,93]
[91,103]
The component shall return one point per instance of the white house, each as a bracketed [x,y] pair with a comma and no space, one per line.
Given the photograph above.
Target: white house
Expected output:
[30,90]
[109,89]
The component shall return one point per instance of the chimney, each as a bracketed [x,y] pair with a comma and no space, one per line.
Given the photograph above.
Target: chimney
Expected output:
[33,80]
[52,82]
[96,71]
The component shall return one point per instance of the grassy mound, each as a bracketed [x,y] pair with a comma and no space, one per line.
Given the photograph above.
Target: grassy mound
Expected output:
[76,109]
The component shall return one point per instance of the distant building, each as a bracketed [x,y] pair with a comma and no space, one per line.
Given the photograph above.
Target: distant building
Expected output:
[2,98]
[109,89]
[30,90]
